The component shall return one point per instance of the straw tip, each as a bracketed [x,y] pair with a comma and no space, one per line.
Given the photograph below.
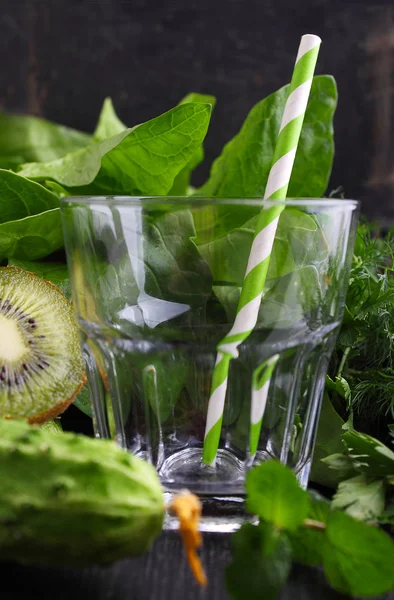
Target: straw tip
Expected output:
[312,39]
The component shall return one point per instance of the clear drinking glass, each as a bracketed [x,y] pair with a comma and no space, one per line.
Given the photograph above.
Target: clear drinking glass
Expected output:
[155,285]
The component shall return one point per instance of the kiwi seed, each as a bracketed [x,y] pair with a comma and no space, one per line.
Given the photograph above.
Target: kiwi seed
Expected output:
[41,363]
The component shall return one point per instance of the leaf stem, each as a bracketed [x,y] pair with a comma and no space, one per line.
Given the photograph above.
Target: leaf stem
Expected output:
[312,524]
[343,361]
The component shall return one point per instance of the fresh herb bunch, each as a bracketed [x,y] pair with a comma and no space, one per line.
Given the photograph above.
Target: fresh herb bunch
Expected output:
[359,395]
[294,526]
[360,380]
[364,355]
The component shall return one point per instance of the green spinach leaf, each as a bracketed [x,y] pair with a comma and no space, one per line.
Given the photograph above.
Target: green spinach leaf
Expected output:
[57,273]
[26,139]
[82,401]
[156,275]
[145,159]
[174,268]
[33,237]
[163,382]
[227,256]
[181,184]
[109,123]
[20,197]
[298,241]
[280,306]
[328,442]
[243,167]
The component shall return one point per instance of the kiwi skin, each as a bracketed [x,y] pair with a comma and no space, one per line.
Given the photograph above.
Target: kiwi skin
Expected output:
[59,407]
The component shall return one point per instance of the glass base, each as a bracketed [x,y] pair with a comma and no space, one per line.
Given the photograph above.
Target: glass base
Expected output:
[220,488]
[185,469]
[220,514]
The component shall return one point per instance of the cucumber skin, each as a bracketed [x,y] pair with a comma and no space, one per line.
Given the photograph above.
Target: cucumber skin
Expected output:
[72,500]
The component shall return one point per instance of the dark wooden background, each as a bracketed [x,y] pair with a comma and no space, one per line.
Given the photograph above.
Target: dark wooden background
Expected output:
[60,58]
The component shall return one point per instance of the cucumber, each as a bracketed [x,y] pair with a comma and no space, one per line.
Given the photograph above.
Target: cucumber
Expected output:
[72,500]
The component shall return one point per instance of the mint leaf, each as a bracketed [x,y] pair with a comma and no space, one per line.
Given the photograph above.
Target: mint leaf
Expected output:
[20,197]
[273,494]
[306,545]
[142,160]
[368,454]
[57,273]
[358,559]
[261,563]
[27,139]
[33,237]
[243,167]
[361,498]
[307,542]
[108,124]
[319,508]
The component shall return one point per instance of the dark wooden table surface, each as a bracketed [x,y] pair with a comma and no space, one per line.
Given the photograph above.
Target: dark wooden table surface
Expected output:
[162,574]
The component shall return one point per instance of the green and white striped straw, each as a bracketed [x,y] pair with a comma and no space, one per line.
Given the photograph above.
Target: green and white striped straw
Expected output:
[260,386]
[259,257]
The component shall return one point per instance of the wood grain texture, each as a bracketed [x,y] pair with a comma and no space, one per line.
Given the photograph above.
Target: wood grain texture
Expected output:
[60,58]
[162,574]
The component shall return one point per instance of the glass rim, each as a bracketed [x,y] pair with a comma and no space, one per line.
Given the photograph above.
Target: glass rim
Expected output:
[209,200]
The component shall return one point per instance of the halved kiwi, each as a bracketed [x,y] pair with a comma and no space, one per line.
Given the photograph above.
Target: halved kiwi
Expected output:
[41,363]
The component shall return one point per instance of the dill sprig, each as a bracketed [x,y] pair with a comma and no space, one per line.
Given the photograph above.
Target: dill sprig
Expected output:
[364,353]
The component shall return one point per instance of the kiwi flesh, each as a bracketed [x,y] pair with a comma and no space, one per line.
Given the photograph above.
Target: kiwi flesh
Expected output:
[41,363]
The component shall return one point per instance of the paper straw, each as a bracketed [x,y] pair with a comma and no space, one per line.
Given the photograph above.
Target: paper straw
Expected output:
[260,387]
[259,257]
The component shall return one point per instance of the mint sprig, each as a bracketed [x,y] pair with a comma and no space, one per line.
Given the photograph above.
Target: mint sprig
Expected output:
[274,495]
[262,561]
[358,559]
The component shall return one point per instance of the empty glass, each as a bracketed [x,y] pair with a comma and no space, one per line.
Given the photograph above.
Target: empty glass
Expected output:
[155,285]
